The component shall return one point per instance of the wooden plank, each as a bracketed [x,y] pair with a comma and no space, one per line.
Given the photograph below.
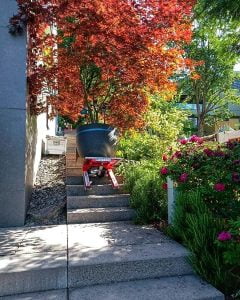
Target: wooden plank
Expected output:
[71,149]
[74,164]
[71,143]
[73,171]
[73,161]
[70,132]
[71,139]
[71,156]
[234,140]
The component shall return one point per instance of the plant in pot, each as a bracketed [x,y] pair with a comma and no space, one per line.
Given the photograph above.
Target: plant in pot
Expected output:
[108,55]
[96,138]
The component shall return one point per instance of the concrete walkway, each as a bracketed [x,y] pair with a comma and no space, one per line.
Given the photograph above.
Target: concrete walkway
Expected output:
[96,261]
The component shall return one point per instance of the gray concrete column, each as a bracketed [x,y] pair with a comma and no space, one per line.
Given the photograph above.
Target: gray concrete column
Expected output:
[12,120]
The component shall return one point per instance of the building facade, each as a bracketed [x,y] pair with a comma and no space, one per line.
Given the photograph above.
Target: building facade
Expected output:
[21,135]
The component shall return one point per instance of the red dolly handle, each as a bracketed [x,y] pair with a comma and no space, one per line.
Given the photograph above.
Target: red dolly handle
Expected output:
[108,163]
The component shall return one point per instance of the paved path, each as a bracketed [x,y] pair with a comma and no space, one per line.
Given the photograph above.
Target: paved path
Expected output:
[79,256]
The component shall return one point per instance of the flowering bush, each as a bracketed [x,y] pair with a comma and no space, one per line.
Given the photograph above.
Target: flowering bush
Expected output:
[214,243]
[212,168]
[207,211]
[229,242]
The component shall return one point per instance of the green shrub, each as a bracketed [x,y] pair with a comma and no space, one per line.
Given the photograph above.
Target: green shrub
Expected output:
[198,229]
[145,186]
[164,123]
[139,145]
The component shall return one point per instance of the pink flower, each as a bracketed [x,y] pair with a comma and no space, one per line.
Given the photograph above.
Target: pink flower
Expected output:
[208,152]
[219,153]
[219,187]
[178,154]
[224,236]
[164,171]
[236,162]
[231,145]
[193,139]
[236,177]
[183,177]
[183,141]
[164,186]
[196,139]
[164,157]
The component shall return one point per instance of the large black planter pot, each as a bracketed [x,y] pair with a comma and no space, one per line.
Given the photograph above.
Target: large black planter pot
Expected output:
[96,140]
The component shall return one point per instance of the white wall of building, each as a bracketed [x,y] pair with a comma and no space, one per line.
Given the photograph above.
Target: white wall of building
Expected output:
[43,130]
[36,132]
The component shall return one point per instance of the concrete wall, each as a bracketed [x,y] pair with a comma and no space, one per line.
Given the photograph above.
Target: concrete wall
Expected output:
[21,135]
[12,120]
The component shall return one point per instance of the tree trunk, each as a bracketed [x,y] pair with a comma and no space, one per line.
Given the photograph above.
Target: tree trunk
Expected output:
[200,130]
[199,110]
[200,126]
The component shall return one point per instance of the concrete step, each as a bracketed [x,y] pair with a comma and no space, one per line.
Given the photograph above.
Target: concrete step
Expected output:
[112,252]
[33,259]
[187,287]
[78,180]
[24,273]
[96,215]
[46,295]
[117,261]
[167,288]
[99,189]
[92,201]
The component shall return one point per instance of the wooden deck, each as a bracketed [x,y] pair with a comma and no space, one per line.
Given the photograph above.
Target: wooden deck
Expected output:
[73,161]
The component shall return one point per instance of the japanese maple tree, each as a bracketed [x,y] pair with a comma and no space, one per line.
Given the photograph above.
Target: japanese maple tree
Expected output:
[106,55]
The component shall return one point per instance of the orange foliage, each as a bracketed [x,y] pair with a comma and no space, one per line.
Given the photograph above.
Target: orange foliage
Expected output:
[109,54]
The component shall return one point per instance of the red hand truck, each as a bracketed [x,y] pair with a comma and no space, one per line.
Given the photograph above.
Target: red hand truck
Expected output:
[104,165]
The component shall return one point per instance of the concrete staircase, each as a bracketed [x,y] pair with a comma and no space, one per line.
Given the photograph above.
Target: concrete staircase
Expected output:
[111,258]
[99,204]
[99,255]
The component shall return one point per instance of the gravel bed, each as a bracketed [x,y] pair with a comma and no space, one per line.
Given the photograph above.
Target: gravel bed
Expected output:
[48,201]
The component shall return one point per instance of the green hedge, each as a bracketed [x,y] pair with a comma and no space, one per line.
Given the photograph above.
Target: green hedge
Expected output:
[147,195]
